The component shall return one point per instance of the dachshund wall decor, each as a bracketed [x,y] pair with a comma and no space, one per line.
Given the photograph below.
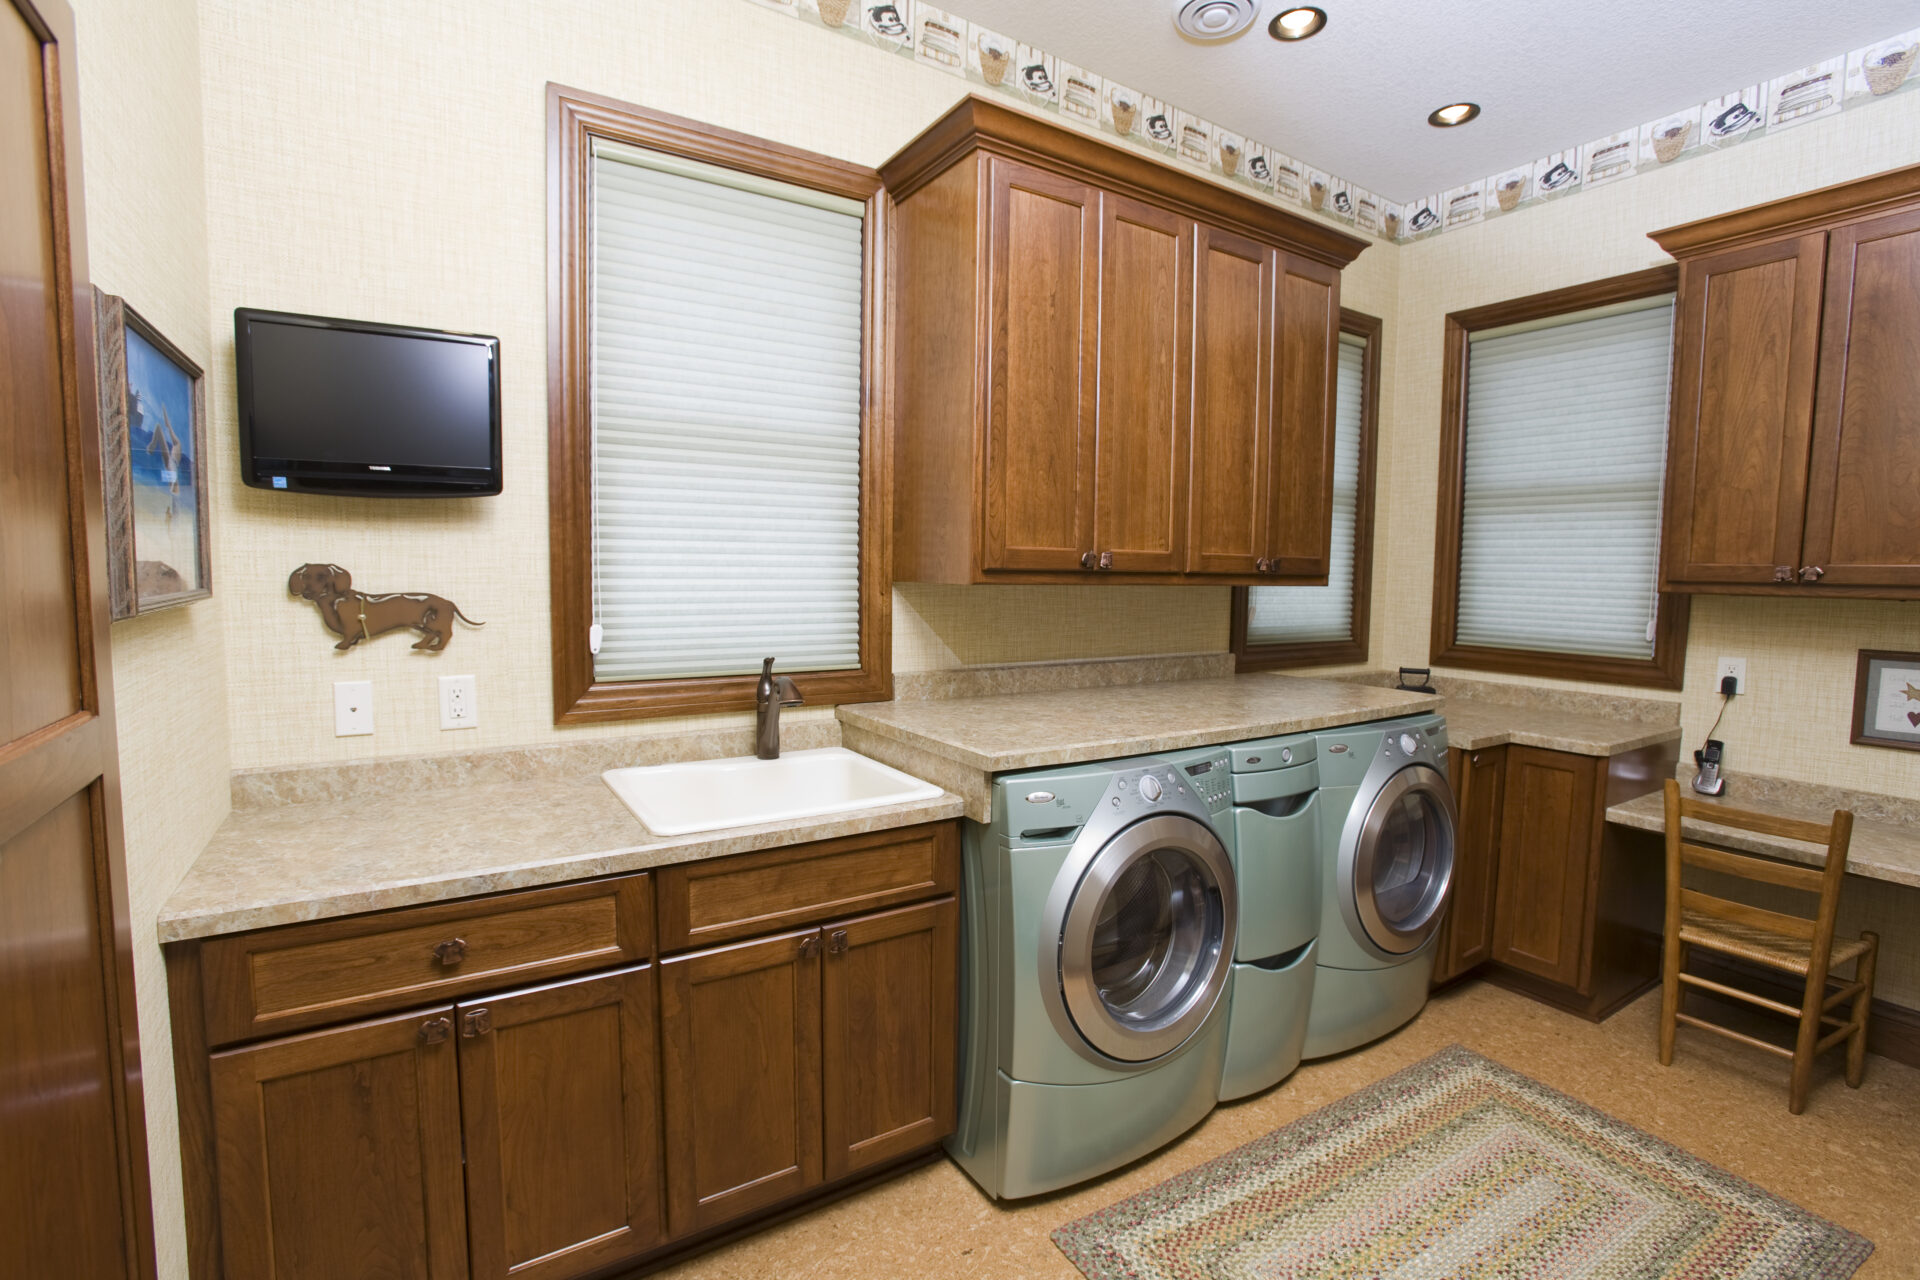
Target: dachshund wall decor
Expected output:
[355,615]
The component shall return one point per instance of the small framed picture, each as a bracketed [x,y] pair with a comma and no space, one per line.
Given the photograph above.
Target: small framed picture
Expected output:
[1886,700]
[153,455]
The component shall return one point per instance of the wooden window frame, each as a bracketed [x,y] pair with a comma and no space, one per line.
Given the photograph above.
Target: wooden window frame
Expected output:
[1324,653]
[574,120]
[1668,664]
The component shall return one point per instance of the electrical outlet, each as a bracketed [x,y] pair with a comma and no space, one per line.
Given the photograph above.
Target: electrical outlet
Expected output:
[459,703]
[1735,667]
[352,708]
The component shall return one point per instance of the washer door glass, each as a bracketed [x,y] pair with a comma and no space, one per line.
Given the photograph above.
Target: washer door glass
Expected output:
[1404,860]
[1145,950]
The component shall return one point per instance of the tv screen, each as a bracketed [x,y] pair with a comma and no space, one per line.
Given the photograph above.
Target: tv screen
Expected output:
[345,406]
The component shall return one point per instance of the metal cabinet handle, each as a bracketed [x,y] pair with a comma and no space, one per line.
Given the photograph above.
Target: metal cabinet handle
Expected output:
[1812,573]
[1783,573]
[1090,560]
[837,941]
[435,1030]
[810,946]
[1106,559]
[476,1022]
[451,952]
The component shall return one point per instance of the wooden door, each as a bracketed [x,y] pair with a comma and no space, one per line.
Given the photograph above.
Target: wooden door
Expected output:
[1044,287]
[560,1097]
[1548,838]
[1479,784]
[740,1036]
[888,1019]
[1227,506]
[1863,496]
[1306,345]
[1146,295]
[73,1179]
[339,1153]
[1747,334]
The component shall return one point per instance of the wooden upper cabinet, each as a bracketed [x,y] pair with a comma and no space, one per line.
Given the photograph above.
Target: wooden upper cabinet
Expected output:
[1089,359]
[1305,359]
[1232,403]
[1747,345]
[1863,498]
[339,1153]
[1146,296]
[1045,269]
[1792,461]
[560,1098]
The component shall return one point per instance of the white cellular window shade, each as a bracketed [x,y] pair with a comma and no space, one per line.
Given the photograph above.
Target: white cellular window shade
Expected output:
[726,361]
[1566,438]
[1305,615]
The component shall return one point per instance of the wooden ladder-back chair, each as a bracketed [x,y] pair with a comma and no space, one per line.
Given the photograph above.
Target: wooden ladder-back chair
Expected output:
[1797,945]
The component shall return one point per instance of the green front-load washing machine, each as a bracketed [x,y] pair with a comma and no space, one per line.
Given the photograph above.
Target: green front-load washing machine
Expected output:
[1097,932]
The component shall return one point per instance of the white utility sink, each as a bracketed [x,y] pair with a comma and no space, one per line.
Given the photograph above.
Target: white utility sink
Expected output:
[705,795]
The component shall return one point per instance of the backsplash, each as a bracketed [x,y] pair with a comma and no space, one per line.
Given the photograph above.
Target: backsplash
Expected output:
[1000,63]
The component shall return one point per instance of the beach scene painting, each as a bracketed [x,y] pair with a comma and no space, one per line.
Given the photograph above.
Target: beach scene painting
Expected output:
[153,438]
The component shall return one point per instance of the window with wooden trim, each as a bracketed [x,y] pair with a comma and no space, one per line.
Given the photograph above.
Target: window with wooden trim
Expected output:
[716,422]
[1553,455]
[1319,626]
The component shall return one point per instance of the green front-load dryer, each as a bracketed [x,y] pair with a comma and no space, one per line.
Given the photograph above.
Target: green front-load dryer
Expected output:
[1097,930]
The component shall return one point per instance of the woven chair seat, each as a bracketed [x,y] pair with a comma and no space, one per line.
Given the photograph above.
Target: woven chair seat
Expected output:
[1762,946]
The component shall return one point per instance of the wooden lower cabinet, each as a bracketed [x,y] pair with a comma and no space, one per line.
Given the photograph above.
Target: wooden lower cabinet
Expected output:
[1479,785]
[1547,834]
[339,1153]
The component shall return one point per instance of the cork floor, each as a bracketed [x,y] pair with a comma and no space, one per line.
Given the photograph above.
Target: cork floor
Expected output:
[1853,1156]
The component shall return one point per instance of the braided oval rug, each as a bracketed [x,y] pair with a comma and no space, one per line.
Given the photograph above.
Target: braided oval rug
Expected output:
[1458,1167]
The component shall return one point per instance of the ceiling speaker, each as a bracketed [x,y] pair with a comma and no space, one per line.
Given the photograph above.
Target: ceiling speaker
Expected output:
[1215,19]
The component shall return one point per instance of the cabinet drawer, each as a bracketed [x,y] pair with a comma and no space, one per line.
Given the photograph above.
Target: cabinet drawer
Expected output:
[304,975]
[707,902]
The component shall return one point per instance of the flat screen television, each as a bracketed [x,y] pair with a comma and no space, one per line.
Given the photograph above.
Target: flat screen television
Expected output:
[376,410]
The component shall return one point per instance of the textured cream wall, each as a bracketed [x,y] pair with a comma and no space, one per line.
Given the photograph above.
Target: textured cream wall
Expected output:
[389,162]
[1800,654]
[147,241]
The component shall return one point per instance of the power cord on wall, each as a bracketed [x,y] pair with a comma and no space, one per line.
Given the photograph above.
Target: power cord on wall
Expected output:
[1706,761]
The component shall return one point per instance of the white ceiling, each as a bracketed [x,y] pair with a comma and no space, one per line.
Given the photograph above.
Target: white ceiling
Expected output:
[1353,100]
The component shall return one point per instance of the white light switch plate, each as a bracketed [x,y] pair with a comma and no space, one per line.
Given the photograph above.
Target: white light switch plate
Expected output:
[352,708]
[1735,667]
[459,703]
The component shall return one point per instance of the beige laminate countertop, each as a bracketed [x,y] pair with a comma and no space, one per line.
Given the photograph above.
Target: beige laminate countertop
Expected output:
[1476,723]
[296,862]
[1066,726]
[1881,849]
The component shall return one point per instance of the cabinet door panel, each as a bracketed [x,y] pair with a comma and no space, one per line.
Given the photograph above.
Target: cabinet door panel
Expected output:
[740,1033]
[1547,837]
[1480,781]
[1863,498]
[1306,355]
[1044,284]
[888,1012]
[1232,403]
[561,1106]
[338,1153]
[1749,332]
[1140,486]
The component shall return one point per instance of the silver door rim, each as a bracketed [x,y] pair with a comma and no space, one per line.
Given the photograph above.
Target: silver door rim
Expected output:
[1414,778]
[1082,998]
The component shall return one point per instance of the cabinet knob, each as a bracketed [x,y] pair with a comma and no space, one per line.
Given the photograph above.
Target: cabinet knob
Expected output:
[1263,565]
[1783,573]
[477,1022]
[810,946]
[451,952]
[837,941]
[435,1030]
[1812,573]
[1106,559]
[1090,560]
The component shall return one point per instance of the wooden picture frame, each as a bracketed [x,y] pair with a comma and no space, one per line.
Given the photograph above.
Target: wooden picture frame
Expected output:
[1877,708]
[154,472]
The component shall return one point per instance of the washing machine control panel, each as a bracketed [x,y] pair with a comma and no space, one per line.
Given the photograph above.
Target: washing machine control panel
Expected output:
[1413,744]
[1212,780]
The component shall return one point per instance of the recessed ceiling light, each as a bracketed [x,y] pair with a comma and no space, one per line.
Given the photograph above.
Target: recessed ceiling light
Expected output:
[1458,113]
[1297,24]
[1215,19]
